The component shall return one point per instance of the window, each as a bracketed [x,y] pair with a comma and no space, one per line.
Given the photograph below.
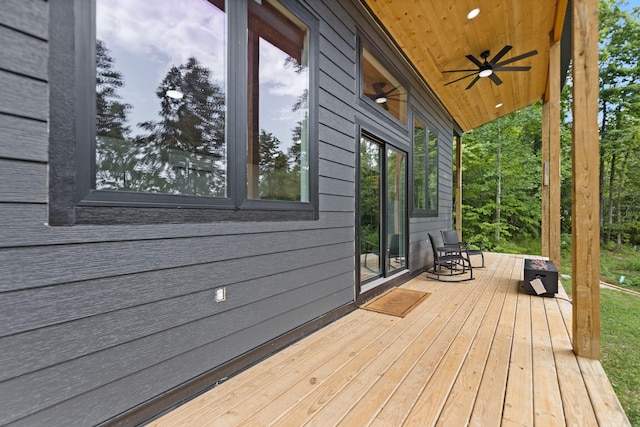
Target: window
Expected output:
[160,97]
[381,88]
[203,109]
[425,170]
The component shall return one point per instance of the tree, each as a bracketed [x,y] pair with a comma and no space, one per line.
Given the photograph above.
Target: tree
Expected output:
[275,182]
[113,156]
[516,181]
[620,109]
[186,149]
[111,114]
[369,190]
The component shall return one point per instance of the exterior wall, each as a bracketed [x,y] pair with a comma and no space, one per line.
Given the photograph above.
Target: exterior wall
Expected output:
[97,319]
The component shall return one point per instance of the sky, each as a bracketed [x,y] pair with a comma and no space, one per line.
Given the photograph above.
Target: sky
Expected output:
[633,3]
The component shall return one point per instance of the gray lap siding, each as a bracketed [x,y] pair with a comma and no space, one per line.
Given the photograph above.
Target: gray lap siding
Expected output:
[98,319]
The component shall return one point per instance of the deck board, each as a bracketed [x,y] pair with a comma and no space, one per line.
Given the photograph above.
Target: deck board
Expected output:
[518,401]
[474,353]
[547,402]
[461,399]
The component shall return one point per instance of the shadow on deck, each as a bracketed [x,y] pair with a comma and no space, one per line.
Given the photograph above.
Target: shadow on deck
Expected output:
[479,353]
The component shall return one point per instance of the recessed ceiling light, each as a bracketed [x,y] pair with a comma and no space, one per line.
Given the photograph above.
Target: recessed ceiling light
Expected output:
[475,12]
[499,105]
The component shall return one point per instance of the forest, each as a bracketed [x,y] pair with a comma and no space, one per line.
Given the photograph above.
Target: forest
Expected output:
[502,167]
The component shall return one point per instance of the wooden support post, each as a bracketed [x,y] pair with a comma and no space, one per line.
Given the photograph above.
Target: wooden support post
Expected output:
[545,179]
[459,186]
[585,201]
[554,154]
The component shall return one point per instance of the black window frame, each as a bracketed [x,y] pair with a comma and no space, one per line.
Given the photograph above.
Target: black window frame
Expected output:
[72,200]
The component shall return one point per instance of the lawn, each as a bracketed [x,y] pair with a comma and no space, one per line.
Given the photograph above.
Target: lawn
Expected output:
[620,324]
[623,264]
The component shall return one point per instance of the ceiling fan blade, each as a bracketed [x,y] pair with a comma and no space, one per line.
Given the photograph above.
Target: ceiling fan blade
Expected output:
[523,68]
[396,98]
[472,82]
[516,58]
[474,60]
[392,90]
[494,78]
[500,54]
[461,78]
[457,71]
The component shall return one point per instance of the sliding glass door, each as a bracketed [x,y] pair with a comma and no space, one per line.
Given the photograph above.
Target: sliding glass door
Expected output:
[382,208]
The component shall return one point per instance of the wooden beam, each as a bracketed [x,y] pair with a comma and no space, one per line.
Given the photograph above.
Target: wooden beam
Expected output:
[554,153]
[585,201]
[459,186]
[558,24]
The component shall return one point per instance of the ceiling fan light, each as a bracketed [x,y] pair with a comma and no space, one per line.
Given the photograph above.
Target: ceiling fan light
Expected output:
[381,100]
[499,105]
[485,73]
[472,14]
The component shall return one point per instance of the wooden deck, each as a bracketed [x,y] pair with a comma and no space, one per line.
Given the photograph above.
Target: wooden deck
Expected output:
[478,353]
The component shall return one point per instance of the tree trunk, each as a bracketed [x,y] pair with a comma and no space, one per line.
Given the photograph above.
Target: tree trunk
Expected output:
[603,128]
[619,197]
[612,178]
[498,191]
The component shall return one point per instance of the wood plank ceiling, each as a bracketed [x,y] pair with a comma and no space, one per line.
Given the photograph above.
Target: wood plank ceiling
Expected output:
[436,36]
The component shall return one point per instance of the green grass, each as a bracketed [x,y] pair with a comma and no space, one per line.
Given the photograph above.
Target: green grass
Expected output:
[620,324]
[528,247]
[625,262]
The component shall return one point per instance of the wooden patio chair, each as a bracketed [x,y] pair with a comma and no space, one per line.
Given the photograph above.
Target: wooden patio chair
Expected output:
[451,238]
[451,263]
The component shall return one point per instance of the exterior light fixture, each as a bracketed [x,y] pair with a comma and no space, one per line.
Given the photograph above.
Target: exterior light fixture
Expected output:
[475,12]
[174,93]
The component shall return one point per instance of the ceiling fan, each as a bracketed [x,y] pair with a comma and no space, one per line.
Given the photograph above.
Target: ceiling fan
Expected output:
[489,68]
[381,96]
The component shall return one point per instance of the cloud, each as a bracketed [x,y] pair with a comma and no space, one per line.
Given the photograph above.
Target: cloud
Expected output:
[283,81]
[166,32]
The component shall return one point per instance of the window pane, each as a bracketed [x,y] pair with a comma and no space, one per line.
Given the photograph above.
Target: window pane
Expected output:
[383,88]
[160,89]
[278,146]
[370,208]
[432,177]
[396,209]
[419,166]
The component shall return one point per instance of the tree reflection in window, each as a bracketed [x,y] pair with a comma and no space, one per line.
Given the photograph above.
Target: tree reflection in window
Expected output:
[183,151]
[171,138]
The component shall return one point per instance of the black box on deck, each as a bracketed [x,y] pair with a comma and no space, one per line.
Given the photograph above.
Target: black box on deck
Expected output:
[543,270]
